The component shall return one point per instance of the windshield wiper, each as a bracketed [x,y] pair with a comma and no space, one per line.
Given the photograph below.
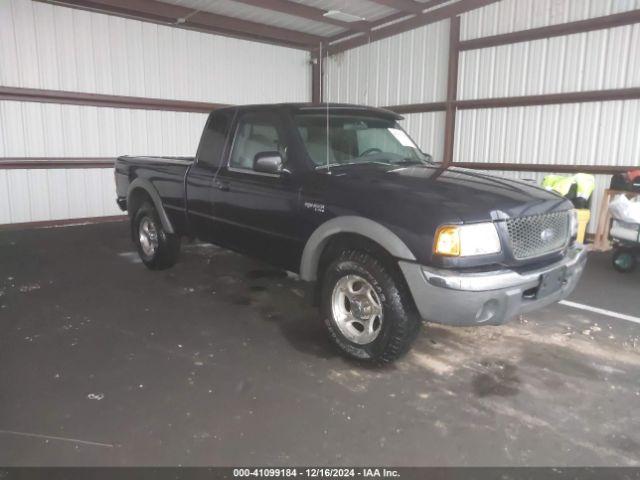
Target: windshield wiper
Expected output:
[349,163]
[410,161]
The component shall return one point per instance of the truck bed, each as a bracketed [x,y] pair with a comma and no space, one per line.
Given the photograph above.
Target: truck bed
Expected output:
[165,174]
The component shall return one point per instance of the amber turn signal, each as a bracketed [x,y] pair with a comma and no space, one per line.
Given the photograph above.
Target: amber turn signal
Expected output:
[447,241]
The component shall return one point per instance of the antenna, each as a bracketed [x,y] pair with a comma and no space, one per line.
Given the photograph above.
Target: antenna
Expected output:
[366,93]
[327,112]
[320,72]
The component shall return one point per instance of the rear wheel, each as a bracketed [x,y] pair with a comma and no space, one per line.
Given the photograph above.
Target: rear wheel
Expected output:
[367,309]
[624,260]
[158,249]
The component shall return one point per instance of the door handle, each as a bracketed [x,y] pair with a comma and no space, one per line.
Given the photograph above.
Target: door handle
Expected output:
[221,185]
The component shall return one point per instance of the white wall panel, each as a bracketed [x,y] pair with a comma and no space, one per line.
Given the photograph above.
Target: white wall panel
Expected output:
[53,130]
[513,15]
[37,195]
[53,47]
[602,59]
[598,133]
[407,68]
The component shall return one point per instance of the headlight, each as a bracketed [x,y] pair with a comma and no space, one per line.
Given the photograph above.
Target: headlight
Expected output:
[467,240]
[573,225]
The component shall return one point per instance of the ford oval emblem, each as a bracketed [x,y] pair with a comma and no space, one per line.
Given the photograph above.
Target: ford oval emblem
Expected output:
[546,234]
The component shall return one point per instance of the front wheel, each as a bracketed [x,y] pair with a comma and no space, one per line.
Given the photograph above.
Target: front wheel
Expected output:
[157,248]
[367,309]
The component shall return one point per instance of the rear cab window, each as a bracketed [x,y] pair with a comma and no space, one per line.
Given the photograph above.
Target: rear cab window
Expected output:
[214,138]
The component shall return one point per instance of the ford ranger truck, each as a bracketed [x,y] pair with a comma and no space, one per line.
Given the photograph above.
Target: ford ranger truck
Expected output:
[341,195]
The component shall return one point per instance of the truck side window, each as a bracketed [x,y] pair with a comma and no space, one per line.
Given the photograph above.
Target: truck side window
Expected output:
[256,133]
[214,137]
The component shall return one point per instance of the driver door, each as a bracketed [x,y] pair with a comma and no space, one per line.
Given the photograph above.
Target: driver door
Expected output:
[257,212]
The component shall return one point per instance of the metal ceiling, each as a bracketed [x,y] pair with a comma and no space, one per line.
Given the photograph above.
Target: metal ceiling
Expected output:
[367,9]
[292,23]
[260,15]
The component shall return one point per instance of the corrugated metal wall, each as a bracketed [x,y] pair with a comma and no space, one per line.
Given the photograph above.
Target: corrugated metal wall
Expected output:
[513,15]
[32,195]
[601,59]
[412,67]
[52,47]
[47,129]
[406,68]
[597,133]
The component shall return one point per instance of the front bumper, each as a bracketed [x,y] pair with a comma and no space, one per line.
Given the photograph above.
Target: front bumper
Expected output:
[489,298]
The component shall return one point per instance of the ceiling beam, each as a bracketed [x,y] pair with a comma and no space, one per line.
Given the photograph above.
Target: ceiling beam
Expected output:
[409,6]
[586,96]
[305,11]
[247,29]
[19,94]
[607,95]
[415,21]
[182,17]
[561,29]
[13,163]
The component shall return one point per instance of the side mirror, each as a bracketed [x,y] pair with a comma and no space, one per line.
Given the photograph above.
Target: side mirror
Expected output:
[268,162]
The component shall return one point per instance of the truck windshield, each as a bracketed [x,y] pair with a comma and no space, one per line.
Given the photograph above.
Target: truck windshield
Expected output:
[357,139]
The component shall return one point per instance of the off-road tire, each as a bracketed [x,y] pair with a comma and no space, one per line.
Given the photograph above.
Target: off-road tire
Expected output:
[168,248]
[401,322]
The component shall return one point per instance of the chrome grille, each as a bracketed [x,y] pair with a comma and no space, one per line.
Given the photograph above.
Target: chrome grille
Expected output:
[537,235]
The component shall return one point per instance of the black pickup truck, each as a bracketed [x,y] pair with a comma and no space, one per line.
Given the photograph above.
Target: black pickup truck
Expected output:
[342,196]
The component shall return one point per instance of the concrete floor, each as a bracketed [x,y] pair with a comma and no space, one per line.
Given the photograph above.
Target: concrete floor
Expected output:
[219,362]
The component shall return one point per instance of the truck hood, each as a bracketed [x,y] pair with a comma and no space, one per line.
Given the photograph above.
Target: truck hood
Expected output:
[472,196]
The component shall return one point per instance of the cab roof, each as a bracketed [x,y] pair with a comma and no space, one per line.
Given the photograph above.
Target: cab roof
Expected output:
[334,108]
